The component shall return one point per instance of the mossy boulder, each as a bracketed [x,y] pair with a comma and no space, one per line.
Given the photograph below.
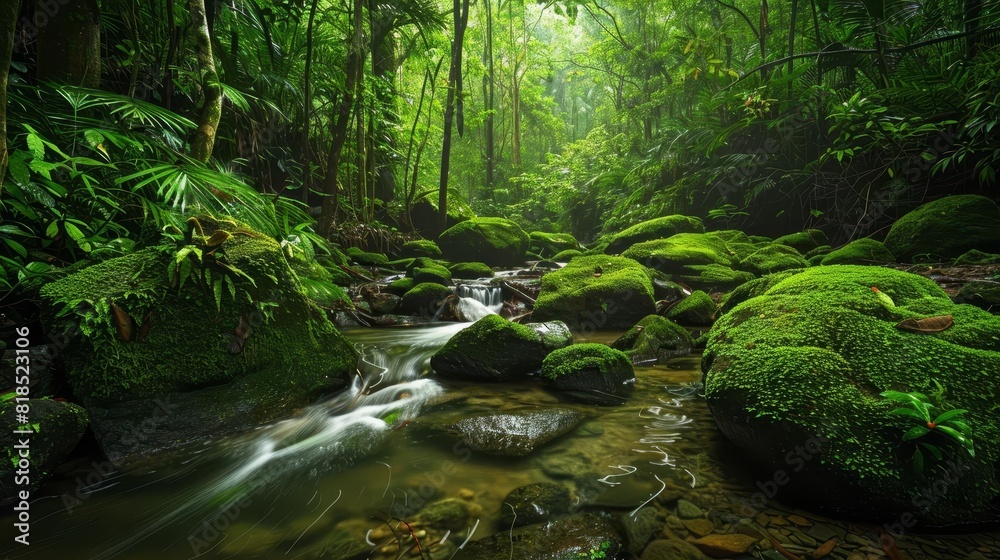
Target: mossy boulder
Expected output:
[549,244]
[860,251]
[981,293]
[471,270]
[590,372]
[420,248]
[56,427]
[493,349]
[697,309]
[568,254]
[657,228]
[495,241]
[772,258]
[596,292]
[976,256]
[432,273]
[231,352]
[701,260]
[804,241]
[803,365]
[426,219]
[365,258]
[424,299]
[400,286]
[946,228]
[654,338]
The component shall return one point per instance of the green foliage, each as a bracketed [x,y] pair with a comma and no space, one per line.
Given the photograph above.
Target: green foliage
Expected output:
[949,424]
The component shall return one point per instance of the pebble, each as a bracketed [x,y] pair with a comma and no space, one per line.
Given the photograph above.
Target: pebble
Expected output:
[687,510]
[725,546]
[800,521]
[699,527]
[466,494]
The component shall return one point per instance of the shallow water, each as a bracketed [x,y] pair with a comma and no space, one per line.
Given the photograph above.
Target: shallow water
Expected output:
[338,480]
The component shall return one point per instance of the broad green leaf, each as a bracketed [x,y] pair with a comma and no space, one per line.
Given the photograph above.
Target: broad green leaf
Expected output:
[915,432]
[945,416]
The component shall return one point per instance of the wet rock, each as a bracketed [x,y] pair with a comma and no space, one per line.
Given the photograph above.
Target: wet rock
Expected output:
[696,309]
[654,338]
[514,434]
[699,527]
[590,372]
[687,510]
[449,514]
[424,299]
[640,527]
[586,535]
[672,549]
[981,293]
[946,228]
[384,303]
[595,293]
[495,241]
[554,334]
[564,465]
[495,349]
[534,503]
[725,546]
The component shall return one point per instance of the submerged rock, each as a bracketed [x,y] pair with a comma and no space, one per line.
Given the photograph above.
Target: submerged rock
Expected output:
[590,372]
[657,228]
[802,366]
[596,292]
[535,503]
[495,349]
[514,434]
[584,536]
[654,338]
[859,251]
[148,345]
[495,241]
[946,228]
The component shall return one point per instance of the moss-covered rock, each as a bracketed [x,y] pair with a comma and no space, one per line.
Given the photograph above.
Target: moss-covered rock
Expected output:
[549,244]
[981,293]
[433,273]
[56,428]
[424,299]
[590,372]
[366,258]
[772,258]
[420,248]
[818,251]
[654,338]
[471,270]
[804,241]
[696,309]
[214,339]
[495,241]
[535,503]
[701,260]
[400,286]
[657,228]
[976,256]
[946,228]
[563,256]
[751,289]
[803,365]
[491,349]
[596,292]
[859,251]
[426,219]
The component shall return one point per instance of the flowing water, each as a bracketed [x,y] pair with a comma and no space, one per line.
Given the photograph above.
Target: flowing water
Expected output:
[352,476]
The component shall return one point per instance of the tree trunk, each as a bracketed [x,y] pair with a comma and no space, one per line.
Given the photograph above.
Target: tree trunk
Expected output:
[339,127]
[488,97]
[69,42]
[383,140]
[211,112]
[8,22]
[307,107]
[461,17]
[973,13]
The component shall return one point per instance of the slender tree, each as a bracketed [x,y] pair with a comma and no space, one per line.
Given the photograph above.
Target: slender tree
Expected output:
[461,18]
[489,82]
[211,112]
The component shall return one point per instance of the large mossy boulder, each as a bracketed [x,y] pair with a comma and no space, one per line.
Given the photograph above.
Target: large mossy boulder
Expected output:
[803,364]
[701,260]
[772,258]
[654,338]
[494,241]
[590,372]
[423,299]
[426,219]
[55,429]
[471,270]
[946,228]
[596,292]
[804,241]
[657,228]
[697,309]
[420,248]
[860,251]
[495,349]
[205,345]
[549,244]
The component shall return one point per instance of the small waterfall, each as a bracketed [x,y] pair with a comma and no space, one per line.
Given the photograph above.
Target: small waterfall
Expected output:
[489,296]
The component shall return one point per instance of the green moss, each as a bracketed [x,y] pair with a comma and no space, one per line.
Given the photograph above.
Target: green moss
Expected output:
[696,309]
[751,289]
[563,256]
[400,286]
[365,258]
[772,258]
[859,251]
[596,292]
[732,236]
[657,228]
[432,273]
[420,248]
[677,254]
[946,228]
[976,256]
[591,372]
[804,241]
[760,239]
[494,349]
[425,217]
[495,241]
[57,428]
[471,270]
[548,244]
[654,337]
[981,293]
[714,277]
[818,251]
[809,357]
[424,299]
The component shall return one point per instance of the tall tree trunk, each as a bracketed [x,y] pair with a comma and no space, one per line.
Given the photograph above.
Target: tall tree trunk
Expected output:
[8,23]
[339,127]
[461,18]
[791,44]
[307,106]
[168,63]
[489,82]
[211,112]
[765,30]
[69,43]
[383,66]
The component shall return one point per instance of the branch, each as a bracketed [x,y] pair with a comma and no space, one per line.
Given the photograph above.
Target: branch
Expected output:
[744,16]
[618,32]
